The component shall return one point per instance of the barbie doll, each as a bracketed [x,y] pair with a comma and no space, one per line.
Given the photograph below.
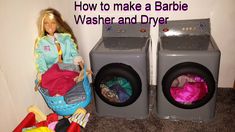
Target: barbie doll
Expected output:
[55,43]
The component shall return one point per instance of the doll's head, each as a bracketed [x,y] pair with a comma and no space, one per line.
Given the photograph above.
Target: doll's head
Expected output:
[58,25]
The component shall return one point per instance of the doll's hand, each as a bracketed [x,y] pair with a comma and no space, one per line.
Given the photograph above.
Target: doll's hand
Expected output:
[81,64]
[89,72]
[78,60]
[37,85]
[38,82]
[81,75]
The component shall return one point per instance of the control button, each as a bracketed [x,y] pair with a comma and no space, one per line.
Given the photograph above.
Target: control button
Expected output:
[142,30]
[165,29]
[109,28]
[120,30]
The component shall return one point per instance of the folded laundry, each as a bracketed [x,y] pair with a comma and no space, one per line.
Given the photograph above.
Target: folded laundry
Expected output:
[121,93]
[76,94]
[122,82]
[69,67]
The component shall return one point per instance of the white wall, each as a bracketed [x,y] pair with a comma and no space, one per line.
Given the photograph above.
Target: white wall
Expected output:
[17,70]
[18,32]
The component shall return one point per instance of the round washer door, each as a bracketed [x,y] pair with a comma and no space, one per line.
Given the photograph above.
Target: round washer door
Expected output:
[188,85]
[118,84]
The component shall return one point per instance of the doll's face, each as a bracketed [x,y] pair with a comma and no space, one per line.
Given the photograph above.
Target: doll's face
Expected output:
[50,25]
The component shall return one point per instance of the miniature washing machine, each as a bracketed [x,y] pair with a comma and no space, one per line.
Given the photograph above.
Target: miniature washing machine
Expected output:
[120,63]
[187,68]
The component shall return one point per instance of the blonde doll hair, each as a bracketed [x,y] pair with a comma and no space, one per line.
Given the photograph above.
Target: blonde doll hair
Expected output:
[62,26]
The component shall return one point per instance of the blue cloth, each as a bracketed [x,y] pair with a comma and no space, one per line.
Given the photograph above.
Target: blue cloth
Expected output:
[122,82]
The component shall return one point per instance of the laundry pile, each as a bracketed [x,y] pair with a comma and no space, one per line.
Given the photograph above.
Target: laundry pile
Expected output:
[187,89]
[59,81]
[117,90]
[36,121]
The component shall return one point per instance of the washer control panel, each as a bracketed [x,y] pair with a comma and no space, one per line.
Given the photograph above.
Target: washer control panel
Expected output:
[126,30]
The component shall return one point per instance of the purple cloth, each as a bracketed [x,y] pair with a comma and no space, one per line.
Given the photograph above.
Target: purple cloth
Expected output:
[122,94]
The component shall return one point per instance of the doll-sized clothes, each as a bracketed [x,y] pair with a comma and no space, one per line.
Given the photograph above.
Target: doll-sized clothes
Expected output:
[58,81]
[120,92]
[190,92]
[76,94]
[46,52]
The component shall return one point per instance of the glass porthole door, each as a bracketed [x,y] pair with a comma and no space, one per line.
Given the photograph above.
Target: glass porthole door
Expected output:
[118,84]
[188,85]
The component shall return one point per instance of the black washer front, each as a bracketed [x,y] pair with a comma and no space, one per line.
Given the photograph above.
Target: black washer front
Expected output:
[118,84]
[187,70]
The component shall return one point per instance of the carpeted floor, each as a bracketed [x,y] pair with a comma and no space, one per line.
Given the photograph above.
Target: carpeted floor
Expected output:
[224,120]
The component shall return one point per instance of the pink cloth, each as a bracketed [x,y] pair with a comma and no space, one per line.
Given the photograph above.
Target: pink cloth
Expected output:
[190,92]
[58,81]
[52,125]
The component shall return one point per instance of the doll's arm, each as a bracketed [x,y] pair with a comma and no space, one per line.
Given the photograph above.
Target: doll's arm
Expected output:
[41,66]
[40,61]
[73,47]
[77,59]
[71,44]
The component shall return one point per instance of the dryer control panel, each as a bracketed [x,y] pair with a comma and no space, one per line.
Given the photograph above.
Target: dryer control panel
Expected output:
[126,30]
[185,27]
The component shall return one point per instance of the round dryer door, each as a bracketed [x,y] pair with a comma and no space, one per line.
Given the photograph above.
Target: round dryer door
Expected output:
[118,84]
[188,85]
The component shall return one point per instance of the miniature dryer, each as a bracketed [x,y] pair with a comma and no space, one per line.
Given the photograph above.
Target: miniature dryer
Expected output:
[187,71]
[120,63]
